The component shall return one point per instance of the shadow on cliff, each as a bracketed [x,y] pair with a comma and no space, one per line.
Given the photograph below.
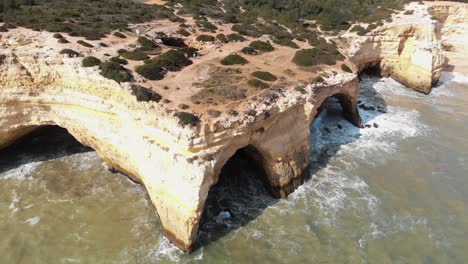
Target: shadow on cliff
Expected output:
[44,143]
[238,198]
[241,196]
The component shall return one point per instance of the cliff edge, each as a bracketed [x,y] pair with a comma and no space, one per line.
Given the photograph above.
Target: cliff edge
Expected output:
[168,134]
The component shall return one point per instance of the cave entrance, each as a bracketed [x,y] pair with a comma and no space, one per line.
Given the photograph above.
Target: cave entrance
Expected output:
[371,69]
[341,105]
[336,123]
[43,143]
[239,197]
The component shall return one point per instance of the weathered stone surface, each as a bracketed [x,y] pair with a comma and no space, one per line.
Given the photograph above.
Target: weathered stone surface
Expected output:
[136,134]
[408,49]
[452,24]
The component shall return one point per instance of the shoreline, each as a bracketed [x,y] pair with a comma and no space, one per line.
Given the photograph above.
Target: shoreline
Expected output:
[456,62]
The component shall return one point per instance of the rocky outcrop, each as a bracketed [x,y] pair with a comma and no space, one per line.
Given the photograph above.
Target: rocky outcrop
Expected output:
[177,164]
[408,49]
[134,132]
[452,24]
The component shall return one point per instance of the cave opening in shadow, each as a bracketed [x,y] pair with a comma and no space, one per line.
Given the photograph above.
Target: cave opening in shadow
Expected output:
[43,143]
[371,69]
[331,129]
[239,197]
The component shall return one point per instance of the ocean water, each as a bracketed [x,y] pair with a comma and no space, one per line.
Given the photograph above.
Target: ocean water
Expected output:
[393,192]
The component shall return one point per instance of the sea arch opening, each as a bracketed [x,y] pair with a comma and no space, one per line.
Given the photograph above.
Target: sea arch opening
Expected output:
[240,195]
[57,193]
[40,143]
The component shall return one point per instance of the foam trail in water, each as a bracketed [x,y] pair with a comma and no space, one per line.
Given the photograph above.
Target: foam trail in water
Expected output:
[334,188]
[20,173]
[32,221]
[455,77]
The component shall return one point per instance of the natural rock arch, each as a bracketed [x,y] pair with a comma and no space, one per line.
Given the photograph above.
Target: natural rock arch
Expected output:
[348,105]
[242,179]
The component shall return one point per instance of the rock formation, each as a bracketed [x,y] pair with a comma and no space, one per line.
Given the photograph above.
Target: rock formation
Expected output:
[178,164]
[408,49]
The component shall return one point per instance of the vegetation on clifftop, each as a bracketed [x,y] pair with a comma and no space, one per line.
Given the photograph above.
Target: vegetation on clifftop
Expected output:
[92,19]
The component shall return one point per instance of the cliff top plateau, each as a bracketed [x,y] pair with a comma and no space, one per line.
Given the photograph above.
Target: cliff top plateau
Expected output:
[168,91]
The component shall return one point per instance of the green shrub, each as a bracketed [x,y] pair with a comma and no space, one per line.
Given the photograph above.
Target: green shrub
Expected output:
[189,52]
[234,60]
[286,43]
[70,53]
[186,119]
[121,51]
[63,41]
[346,68]
[84,43]
[408,12]
[119,35]
[222,38]
[92,19]
[9,25]
[114,71]
[205,38]
[207,25]
[135,55]
[151,71]
[249,51]
[3,29]
[261,46]
[171,60]
[247,30]
[183,32]
[119,60]
[90,61]
[316,56]
[144,94]
[359,30]
[258,84]
[58,36]
[146,44]
[371,27]
[265,76]
[234,37]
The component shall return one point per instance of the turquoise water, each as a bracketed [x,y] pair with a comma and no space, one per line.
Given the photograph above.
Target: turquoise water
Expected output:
[395,192]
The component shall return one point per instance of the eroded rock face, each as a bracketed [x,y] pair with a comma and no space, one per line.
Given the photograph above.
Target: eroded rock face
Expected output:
[408,49]
[176,164]
[452,24]
[135,133]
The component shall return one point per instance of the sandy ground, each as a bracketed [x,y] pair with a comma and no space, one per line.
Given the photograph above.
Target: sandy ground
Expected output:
[155,2]
[444,3]
[457,62]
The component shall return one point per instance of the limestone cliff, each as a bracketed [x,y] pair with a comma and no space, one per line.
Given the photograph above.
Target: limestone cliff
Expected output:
[408,49]
[452,24]
[178,164]
[143,139]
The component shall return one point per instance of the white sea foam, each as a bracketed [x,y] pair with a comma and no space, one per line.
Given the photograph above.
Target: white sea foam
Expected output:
[81,161]
[70,260]
[14,200]
[333,187]
[456,77]
[20,173]
[165,250]
[32,221]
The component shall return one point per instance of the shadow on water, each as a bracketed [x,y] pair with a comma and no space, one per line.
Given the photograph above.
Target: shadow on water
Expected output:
[45,143]
[241,195]
[238,198]
[330,130]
